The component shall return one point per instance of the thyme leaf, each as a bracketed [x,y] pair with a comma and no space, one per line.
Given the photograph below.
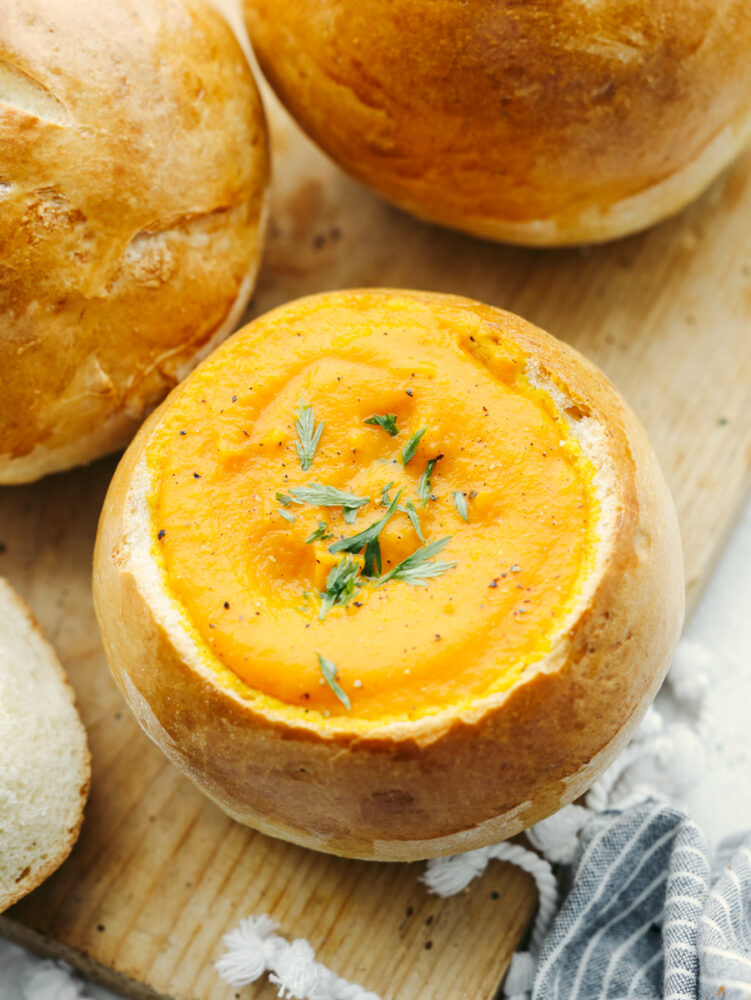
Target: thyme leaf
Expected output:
[387,421]
[421,566]
[460,503]
[329,671]
[308,434]
[286,515]
[410,447]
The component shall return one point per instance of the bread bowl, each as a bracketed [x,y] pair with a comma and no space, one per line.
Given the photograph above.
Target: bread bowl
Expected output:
[133,176]
[416,713]
[44,758]
[540,123]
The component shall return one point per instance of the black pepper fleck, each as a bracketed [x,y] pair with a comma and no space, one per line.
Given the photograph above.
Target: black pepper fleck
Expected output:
[161,533]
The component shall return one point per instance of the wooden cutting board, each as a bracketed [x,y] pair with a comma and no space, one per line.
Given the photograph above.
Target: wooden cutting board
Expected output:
[159,874]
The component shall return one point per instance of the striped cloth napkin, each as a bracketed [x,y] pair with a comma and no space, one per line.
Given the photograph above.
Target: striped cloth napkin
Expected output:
[647,918]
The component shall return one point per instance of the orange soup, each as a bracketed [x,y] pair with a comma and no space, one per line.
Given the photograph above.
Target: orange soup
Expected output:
[367,509]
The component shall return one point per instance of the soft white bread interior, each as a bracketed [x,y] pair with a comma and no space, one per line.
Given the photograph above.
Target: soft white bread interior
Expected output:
[133,181]
[44,758]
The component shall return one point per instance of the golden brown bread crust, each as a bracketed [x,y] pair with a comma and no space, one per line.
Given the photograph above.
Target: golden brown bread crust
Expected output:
[544,122]
[444,783]
[133,173]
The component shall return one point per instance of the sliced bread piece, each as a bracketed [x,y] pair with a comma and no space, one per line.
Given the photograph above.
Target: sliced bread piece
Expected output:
[44,758]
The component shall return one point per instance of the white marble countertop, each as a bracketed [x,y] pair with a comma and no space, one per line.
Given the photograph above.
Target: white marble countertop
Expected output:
[720,801]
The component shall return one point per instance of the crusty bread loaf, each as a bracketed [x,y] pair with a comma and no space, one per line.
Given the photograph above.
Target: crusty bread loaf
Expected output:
[544,122]
[425,782]
[44,760]
[133,176]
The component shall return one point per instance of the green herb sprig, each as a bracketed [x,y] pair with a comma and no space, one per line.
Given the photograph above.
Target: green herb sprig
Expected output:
[408,451]
[373,564]
[415,520]
[385,498]
[423,485]
[421,566]
[460,502]
[340,585]
[321,533]
[318,495]
[329,671]
[308,433]
[356,542]
[387,421]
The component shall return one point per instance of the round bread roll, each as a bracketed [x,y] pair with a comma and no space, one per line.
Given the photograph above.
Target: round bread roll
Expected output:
[546,122]
[391,575]
[133,176]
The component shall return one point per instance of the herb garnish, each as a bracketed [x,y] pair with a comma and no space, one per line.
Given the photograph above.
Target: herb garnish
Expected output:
[327,496]
[372,565]
[284,498]
[328,669]
[412,515]
[308,433]
[369,534]
[410,447]
[286,515]
[387,421]
[321,532]
[418,568]
[385,498]
[423,486]
[340,584]
[460,503]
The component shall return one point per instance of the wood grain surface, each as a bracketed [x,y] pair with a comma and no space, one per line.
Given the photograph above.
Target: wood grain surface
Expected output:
[159,874]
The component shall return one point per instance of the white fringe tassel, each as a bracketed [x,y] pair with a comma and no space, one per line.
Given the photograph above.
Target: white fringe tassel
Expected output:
[662,761]
[253,949]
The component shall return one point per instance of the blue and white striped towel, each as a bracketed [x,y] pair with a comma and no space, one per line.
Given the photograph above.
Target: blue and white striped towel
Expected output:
[645,919]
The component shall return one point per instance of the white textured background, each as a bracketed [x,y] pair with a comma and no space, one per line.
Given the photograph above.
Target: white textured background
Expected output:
[720,800]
